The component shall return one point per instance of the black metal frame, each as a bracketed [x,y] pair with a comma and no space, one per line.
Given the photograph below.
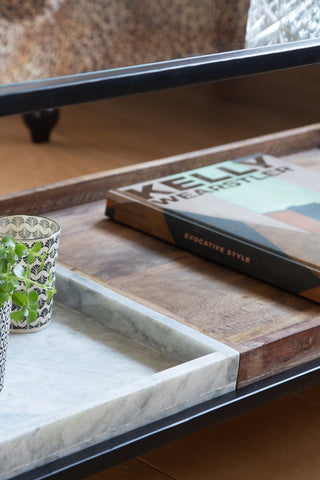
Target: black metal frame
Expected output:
[50,93]
[57,92]
[116,450]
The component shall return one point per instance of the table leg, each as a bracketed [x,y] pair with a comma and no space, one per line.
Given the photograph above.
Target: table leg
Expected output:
[41,123]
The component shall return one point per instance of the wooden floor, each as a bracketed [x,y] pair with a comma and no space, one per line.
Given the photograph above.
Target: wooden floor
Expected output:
[280,440]
[121,131]
[277,442]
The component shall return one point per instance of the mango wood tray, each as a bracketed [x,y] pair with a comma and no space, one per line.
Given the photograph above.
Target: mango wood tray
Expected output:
[273,330]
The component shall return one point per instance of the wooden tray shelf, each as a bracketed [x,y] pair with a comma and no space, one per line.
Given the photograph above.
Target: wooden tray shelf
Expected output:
[272,330]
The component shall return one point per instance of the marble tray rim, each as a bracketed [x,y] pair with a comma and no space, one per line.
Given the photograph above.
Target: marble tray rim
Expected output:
[206,343]
[210,372]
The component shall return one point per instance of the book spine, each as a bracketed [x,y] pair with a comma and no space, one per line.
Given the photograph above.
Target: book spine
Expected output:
[251,259]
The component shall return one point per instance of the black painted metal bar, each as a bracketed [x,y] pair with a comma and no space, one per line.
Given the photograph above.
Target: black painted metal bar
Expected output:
[117,450]
[57,92]
[51,93]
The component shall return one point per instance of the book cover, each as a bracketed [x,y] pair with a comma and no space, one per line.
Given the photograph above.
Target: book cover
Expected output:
[259,215]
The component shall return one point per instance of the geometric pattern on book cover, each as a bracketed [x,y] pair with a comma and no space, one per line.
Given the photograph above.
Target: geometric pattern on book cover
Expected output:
[237,253]
[257,214]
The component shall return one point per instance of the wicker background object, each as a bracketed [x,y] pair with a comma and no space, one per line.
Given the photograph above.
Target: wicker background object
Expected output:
[280,21]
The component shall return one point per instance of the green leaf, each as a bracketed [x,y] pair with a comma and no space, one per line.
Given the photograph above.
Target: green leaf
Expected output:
[34,306]
[4,296]
[19,298]
[50,294]
[8,241]
[36,247]
[3,265]
[33,300]
[17,316]
[31,258]
[33,296]
[32,316]
[19,271]
[11,285]
[20,250]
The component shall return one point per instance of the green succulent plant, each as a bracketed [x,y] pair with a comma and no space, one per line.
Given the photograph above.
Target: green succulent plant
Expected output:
[15,282]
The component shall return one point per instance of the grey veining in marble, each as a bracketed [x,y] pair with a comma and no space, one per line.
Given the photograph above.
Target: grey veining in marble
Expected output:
[104,366]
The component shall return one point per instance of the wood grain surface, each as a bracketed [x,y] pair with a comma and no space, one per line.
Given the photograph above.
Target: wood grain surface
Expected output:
[273,330]
[94,186]
[275,442]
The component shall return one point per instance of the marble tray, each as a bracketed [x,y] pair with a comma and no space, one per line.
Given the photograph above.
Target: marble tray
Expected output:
[104,366]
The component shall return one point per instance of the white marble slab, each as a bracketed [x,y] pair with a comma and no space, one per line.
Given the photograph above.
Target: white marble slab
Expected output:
[104,366]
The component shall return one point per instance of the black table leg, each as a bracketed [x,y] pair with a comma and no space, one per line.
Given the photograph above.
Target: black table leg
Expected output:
[41,123]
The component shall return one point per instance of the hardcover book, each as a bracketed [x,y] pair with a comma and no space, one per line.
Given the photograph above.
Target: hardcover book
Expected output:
[259,215]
